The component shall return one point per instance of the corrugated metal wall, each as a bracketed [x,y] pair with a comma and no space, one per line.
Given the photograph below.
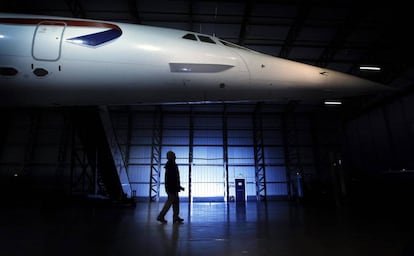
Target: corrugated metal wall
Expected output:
[380,150]
[207,176]
[34,155]
[276,178]
[214,145]
[383,138]
[241,153]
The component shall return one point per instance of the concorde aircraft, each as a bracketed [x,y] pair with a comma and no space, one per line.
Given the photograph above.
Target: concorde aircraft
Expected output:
[47,60]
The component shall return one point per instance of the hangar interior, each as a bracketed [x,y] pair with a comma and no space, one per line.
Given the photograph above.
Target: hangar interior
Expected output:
[267,144]
[299,152]
[283,152]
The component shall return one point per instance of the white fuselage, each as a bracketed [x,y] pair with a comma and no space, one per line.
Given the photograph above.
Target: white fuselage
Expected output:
[62,61]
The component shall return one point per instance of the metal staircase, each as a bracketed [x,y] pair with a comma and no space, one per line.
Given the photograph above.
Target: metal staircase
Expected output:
[95,132]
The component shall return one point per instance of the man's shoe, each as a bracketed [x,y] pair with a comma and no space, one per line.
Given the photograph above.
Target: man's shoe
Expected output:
[162,220]
[178,220]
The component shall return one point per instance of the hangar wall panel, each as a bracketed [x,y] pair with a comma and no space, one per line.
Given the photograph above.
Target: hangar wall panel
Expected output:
[277,190]
[198,135]
[208,137]
[139,173]
[175,137]
[14,155]
[276,174]
[142,137]
[240,137]
[139,154]
[32,152]
[241,155]
[274,155]
[142,189]
[211,155]
[383,138]
[195,133]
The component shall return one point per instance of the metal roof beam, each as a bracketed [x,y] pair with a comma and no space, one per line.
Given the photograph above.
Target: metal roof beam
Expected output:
[133,12]
[243,27]
[76,8]
[303,11]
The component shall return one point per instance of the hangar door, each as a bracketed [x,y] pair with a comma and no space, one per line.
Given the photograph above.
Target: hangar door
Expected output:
[208,175]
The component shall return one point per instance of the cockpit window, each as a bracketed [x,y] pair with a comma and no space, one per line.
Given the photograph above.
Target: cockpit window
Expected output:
[190,37]
[206,39]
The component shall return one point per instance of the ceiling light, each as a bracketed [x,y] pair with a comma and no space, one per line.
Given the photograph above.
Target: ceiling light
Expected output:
[369,68]
[332,102]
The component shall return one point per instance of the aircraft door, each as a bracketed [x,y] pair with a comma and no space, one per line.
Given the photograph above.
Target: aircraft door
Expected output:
[47,40]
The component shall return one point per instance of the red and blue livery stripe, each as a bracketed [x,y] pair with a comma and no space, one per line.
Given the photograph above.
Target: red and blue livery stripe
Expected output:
[94,39]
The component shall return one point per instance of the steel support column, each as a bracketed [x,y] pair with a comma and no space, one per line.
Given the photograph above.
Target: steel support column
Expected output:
[293,162]
[259,158]
[225,153]
[190,155]
[156,155]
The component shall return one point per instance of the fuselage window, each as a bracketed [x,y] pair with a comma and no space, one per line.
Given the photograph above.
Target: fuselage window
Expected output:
[206,39]
[190,37]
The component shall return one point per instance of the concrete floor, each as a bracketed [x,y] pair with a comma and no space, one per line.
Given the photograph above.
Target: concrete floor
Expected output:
[273,228]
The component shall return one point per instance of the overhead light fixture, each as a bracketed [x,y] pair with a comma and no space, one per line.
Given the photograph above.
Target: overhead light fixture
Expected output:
[332,102]
[369,68]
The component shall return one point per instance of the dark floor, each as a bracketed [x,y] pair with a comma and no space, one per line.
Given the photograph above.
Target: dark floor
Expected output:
[273,228]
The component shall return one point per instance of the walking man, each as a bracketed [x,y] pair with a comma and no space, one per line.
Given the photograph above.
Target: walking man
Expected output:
[172,187]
